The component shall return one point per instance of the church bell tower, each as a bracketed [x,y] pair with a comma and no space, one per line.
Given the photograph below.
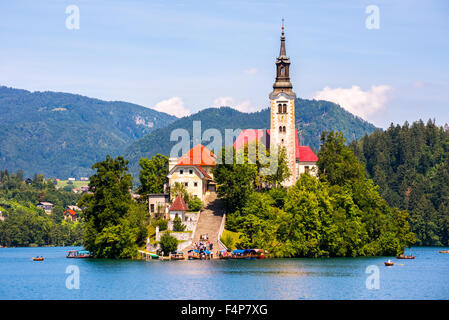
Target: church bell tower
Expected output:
[282,102]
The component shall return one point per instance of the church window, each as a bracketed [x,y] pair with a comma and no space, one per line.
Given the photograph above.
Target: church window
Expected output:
[195,184]
[284,108]
[283,129]
[280,129]
[190,171]
[186,184]
[280,108]
[282,71]
[181,171]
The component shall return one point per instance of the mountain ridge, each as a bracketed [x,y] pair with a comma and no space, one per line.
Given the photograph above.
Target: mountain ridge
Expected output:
[312,118]
[63,134]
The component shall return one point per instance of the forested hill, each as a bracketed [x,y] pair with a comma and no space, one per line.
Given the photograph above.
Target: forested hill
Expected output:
[410,163]
[61,135]
[312,118]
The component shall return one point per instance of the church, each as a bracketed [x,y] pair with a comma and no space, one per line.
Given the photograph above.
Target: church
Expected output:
[196,172]
[282,132]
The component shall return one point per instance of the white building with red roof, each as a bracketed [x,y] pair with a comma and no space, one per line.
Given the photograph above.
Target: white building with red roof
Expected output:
[194,171]
[178,207]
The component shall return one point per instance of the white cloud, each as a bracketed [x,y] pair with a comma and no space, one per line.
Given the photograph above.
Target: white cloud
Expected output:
[251,71]
[361,103]
[174,106]
[243,106]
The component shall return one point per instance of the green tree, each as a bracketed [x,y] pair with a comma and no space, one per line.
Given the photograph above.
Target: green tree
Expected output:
[177,224]
[195,204]
[337,163]
[282,171]
[179,188]
[168,243]
[236,180]
[114,225]
[153,174]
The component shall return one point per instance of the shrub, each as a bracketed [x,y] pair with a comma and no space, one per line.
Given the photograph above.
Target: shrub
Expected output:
[168,243]
[195,204]
[161,223]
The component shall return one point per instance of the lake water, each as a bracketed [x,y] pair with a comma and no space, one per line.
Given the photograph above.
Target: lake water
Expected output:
[426,277]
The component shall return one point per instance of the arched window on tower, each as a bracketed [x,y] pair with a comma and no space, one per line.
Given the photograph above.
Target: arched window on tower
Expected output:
[283,128]
[279,108]
[284,108]
[280,129]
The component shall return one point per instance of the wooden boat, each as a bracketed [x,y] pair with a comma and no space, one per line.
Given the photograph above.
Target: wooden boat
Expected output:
[443,251]
[38,258]
[177,255]
[405,257]
[193,255]
[389,263]
[244,254]
[78,254]
[260,253]
[224,254]
[153,256]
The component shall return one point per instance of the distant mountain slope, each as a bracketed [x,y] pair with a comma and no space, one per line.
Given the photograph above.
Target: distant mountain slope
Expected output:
[312,117]
[62,134]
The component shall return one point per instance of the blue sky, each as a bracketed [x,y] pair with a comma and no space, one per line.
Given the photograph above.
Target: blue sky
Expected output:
[183,56]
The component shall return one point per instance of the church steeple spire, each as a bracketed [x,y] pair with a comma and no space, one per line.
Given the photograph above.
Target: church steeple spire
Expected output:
[282,83]
[282,52]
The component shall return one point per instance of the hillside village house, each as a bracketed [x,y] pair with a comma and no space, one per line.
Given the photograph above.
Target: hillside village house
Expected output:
[71,215]
[74,208]
[194,171]
[46,206]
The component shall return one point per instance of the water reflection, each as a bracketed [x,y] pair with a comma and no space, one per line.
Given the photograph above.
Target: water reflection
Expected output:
[342,278]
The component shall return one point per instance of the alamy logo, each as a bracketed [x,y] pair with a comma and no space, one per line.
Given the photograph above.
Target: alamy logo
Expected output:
[373,281]
[73,280]
[72,22]
[373,20]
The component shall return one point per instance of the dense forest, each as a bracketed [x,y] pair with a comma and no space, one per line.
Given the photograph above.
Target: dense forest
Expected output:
[25,224]
[338,214]
[312,118]
[60,134]
[410,163]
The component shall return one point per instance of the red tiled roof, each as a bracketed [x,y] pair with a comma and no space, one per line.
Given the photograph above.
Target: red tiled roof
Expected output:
[198,155]
[178,204]
[70,211]
[203,172]
[306,154]
[303,153]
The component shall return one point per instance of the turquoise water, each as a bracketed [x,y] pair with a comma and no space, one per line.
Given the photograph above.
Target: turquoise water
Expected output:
[426,277]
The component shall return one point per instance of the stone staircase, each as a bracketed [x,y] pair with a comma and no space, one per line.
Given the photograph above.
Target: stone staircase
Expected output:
[209,222]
